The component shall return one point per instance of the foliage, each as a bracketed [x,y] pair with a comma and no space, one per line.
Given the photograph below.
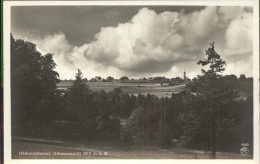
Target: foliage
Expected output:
[155,122]
[109,79]
[124,78]
[76,98]
[209,102]
[33,82]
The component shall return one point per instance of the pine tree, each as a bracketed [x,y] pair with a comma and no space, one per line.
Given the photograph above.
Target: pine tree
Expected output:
[208,102]
[78,96]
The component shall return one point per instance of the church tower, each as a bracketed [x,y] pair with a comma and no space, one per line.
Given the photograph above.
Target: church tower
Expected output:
[184,76]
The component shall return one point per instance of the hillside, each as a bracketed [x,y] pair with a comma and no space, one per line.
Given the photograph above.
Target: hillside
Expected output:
[130,88]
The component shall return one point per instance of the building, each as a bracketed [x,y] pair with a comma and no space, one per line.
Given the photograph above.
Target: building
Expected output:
[185,78]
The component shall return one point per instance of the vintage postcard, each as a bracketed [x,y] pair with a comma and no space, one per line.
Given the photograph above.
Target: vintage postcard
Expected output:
[109,80]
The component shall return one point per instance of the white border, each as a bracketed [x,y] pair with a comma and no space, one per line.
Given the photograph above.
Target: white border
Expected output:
[7,114]
[135,2]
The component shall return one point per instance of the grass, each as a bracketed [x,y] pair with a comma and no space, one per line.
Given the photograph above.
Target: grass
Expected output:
[66,152]
[131,88]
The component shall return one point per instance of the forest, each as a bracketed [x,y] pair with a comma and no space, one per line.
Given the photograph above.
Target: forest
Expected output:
[207,115]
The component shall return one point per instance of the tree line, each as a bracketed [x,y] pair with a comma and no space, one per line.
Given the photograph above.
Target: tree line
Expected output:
[207,115]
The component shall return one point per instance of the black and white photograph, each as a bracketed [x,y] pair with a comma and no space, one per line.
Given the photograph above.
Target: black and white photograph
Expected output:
[132,81]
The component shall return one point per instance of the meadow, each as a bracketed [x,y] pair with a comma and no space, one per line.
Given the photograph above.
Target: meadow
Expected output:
[130,88]
[89,152]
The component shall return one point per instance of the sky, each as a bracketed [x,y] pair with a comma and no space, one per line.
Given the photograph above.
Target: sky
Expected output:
[137,41]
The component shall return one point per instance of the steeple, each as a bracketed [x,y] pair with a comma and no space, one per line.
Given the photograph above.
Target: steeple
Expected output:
[184,76]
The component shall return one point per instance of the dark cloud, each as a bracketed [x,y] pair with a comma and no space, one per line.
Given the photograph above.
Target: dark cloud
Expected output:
[149,66]
[78,23]
[111,14]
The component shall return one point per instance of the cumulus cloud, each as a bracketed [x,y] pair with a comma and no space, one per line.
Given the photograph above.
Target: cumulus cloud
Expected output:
[227,14]
[152,43]
[199,24]
[239,35]
[239,29]
[239,67]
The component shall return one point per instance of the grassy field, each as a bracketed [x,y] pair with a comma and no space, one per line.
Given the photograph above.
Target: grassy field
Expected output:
[66,152]
[130,88]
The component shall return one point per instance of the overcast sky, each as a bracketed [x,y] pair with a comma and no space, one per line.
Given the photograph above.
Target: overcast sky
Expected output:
[137,41]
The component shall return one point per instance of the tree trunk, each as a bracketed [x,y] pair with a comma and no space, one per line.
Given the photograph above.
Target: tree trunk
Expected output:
[213,135]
